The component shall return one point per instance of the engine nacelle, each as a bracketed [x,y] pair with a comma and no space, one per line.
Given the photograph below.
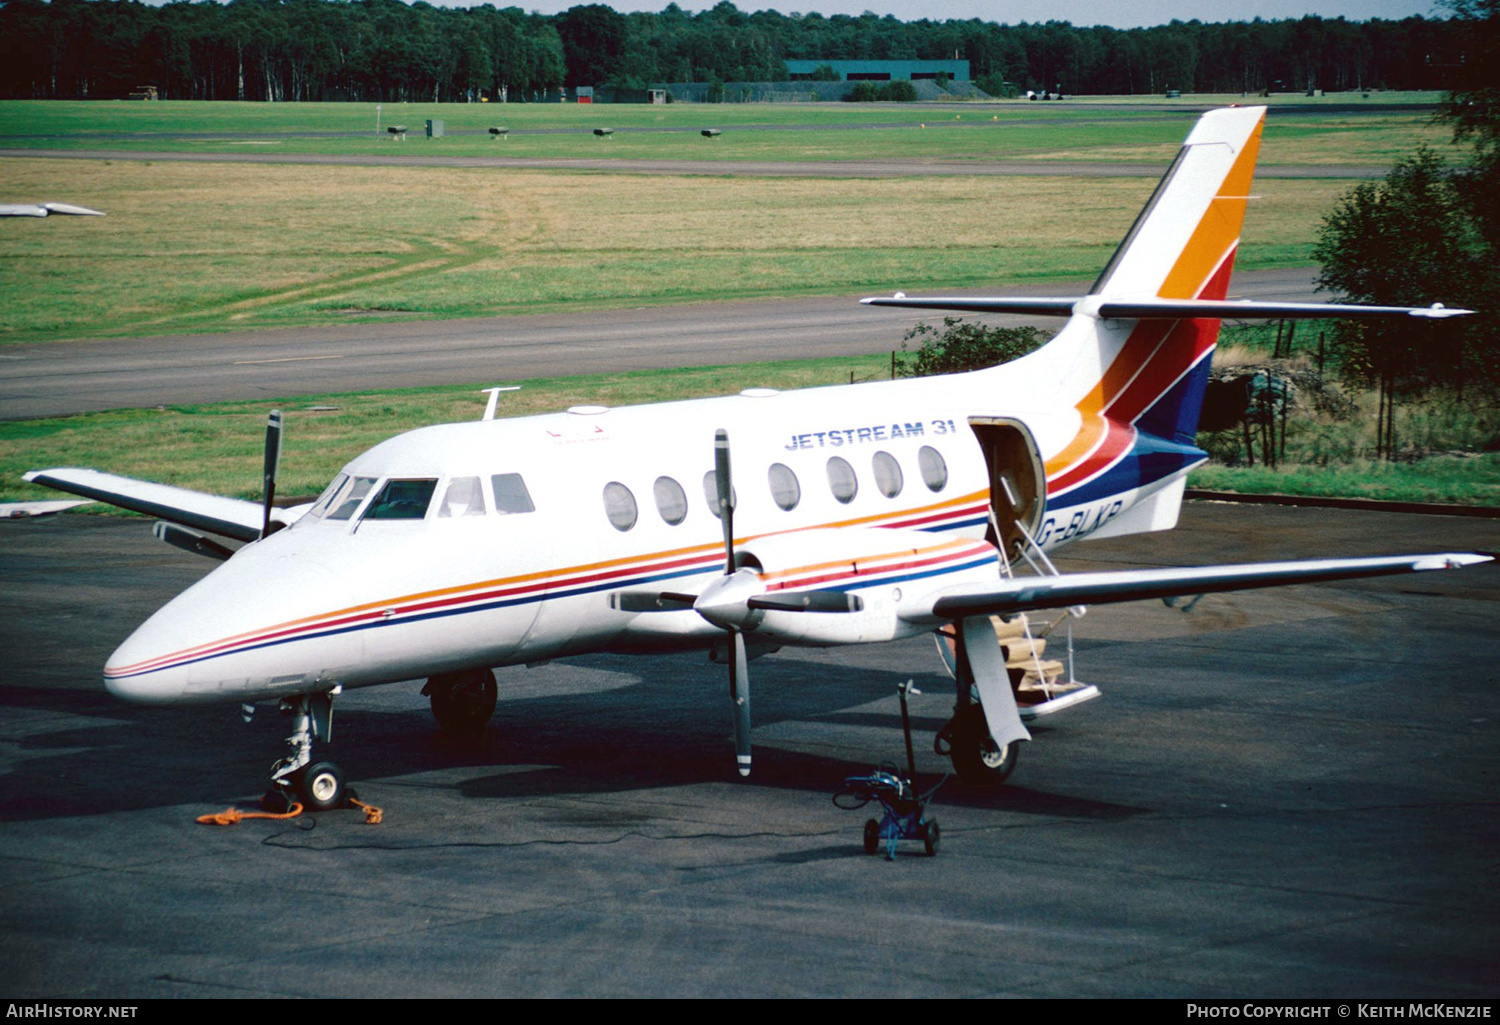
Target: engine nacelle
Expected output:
[878,565]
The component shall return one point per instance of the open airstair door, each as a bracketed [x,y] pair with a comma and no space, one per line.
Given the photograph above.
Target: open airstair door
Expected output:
[1018,486]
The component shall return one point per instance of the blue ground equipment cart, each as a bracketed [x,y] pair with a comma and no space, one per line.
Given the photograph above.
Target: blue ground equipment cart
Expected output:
[905,815]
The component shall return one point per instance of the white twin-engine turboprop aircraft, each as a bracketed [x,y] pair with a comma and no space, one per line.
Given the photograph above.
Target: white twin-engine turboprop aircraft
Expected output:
[855,514]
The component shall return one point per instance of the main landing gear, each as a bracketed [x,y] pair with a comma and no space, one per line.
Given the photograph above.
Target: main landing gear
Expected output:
[967,743]
[965,739]
[462,702]
[317,786]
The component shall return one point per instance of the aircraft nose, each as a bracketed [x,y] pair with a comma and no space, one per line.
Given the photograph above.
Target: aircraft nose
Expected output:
[140,670]
[222,639]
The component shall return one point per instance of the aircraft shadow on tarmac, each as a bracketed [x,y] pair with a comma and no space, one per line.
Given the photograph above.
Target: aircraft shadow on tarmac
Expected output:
[666,726]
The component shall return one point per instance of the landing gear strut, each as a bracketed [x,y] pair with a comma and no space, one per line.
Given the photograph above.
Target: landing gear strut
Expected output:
[317,786]
[462,702]
[977,759]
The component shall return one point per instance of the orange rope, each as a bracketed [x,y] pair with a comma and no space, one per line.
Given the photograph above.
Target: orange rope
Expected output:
[373,815]
[229,816]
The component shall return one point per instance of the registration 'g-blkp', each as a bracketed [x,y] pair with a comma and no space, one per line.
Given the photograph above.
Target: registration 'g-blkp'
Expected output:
[851,515]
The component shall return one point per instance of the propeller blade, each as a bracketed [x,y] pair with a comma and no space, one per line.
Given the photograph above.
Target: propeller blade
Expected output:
[808,601]
[726,495]
[739,696]
[273,459]
[651,601]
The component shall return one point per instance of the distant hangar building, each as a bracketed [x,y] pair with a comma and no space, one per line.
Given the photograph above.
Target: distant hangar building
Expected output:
[881,71]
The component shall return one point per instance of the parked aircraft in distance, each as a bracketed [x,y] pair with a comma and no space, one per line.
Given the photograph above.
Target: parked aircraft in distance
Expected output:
[855,514]
[44,209]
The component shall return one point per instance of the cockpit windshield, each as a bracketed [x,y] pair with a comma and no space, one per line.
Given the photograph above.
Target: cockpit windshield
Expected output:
[401,500]
[461,497]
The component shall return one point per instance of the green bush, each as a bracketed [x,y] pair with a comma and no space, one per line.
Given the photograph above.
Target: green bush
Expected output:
[961,346]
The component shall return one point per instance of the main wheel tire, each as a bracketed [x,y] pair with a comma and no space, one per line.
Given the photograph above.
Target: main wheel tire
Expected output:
[321,787]
[872,836]
[976,757]
[462,702]
[932,836]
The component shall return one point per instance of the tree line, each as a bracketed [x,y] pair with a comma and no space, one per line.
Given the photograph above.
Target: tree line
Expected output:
[368,50]
[1428,233]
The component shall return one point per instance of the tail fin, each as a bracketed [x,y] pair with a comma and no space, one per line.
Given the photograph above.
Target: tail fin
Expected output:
[1138,384]
[1183,243]
[1133,358]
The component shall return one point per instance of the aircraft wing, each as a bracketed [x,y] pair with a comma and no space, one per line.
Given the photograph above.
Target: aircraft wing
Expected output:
[228,517]
[1051,592]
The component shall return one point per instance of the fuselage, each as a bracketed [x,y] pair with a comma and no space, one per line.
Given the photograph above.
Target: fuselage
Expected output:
[496,542]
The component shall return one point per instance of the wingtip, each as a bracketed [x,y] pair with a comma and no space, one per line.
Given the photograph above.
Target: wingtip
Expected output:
[1455,560]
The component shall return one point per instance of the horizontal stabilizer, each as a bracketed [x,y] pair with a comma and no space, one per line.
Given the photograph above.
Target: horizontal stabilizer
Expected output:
[1068,589]
[227,517]
[1165,309]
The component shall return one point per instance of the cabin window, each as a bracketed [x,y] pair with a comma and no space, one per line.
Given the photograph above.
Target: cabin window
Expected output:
[888,477]
[347,500]
[671,500]
[401,500]
[619,505]
[325,500]
[510,493]
[841,479]
[784,487]
[934,469]
[711,492]
[464,497]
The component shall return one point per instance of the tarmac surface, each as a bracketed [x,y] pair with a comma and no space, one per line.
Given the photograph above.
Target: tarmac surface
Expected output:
[58,378]
[1281,793]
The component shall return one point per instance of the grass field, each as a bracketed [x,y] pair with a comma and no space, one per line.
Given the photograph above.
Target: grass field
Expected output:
[209,247]
[190,247]
[778,132]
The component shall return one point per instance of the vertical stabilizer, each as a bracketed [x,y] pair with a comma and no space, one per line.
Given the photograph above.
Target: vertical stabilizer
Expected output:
[1190,229]
[1138,384]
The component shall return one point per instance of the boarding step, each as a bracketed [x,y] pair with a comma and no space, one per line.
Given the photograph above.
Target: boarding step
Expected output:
[1043,688]
[1062,697]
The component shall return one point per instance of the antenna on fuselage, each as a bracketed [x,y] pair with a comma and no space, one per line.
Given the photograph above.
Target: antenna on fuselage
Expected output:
[494,394]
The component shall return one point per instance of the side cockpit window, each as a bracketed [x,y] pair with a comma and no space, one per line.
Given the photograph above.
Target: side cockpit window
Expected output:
[325,500]
[510,494]
[463,497]
[402,500]
[346,499]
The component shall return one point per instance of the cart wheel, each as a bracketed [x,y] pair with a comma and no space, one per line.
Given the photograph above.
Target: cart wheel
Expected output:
[872,836]
[932,835]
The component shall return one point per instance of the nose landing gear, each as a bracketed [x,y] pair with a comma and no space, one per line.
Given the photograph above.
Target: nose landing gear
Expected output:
[317,786]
